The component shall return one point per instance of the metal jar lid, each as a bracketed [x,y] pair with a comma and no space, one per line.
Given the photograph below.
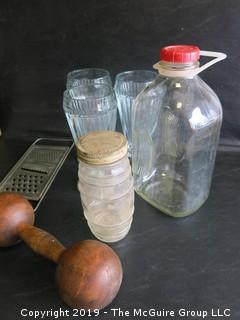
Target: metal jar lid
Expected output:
[101,147]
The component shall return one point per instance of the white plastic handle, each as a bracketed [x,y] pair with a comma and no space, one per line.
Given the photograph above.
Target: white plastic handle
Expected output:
[192,72]
[217,55]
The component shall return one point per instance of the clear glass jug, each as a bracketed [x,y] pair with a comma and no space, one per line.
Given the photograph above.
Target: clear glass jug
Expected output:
[176,127]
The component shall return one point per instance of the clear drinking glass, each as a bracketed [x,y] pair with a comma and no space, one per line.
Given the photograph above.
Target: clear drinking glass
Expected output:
[90,107]
[128,85]
[88,76]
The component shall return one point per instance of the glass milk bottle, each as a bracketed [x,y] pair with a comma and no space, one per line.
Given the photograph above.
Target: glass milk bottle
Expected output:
[176,126]
[106,184]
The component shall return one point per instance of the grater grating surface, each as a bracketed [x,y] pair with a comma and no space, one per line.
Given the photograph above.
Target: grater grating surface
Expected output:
[35,171]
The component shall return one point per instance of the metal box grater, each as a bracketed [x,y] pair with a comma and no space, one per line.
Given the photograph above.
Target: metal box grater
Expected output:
[35,171]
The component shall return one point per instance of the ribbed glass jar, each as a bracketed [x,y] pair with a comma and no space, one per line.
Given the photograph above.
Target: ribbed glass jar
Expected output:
[107,192]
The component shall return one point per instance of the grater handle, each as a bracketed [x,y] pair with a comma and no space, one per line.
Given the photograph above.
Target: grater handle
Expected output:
[41,242]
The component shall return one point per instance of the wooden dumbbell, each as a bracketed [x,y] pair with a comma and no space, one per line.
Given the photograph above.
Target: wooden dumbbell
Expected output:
[89,273]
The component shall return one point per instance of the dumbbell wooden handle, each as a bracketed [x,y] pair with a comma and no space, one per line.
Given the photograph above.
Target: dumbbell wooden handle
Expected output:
[41,242]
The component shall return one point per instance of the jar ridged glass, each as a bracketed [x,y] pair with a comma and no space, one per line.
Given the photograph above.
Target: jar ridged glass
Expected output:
[106,187]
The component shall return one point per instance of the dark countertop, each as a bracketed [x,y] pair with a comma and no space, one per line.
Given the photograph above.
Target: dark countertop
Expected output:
[191,263]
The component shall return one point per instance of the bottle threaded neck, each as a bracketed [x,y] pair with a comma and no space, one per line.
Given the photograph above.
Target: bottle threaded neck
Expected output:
[179,66]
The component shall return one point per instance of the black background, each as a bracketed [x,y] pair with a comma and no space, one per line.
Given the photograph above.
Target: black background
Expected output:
[40,41]
[168,263]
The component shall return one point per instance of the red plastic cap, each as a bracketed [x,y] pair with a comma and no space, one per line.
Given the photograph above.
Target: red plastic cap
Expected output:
[180,54]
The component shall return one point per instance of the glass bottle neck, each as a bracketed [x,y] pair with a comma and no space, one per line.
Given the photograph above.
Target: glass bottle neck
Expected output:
[179,66]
